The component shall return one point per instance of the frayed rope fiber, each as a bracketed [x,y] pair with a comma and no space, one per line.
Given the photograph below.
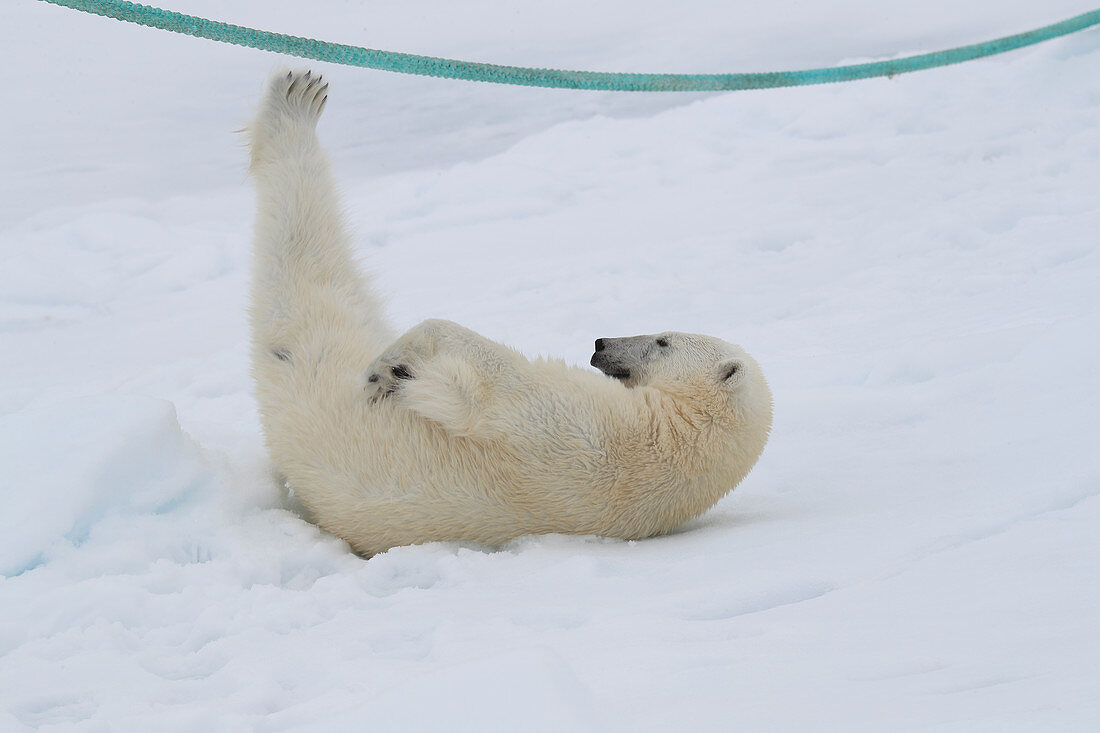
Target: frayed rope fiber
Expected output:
[404,63]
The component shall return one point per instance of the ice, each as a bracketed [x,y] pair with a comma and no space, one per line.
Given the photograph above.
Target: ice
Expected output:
[72,465]
[913,261]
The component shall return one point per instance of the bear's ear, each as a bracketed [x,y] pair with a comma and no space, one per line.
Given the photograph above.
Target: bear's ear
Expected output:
[732,372]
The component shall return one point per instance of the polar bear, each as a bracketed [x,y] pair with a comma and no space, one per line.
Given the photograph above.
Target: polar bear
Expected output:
[444,435]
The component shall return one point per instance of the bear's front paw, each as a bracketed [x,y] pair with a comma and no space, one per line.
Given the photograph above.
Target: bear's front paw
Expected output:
[383,379]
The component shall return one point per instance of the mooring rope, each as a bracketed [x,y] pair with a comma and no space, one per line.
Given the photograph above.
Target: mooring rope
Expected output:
[405,63]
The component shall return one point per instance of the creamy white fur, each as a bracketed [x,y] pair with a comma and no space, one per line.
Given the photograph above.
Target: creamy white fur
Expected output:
[478,443]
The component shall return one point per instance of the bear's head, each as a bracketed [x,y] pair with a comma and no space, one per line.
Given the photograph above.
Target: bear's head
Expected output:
[715,377]
[672,360]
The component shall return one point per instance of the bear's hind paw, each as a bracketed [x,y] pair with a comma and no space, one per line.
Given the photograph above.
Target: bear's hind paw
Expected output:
[307,92]
[296,96]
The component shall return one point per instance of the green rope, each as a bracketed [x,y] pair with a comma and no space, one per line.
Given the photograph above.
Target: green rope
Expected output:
[404,63]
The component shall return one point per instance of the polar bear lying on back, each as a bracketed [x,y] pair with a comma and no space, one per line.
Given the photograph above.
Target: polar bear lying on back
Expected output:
[442,434]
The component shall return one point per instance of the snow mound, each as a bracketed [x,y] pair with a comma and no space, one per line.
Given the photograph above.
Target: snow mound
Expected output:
[71,465]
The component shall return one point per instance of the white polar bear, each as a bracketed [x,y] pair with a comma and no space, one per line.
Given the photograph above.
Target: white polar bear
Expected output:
[442,434]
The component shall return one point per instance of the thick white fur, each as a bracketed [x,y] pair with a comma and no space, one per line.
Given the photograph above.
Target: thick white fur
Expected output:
[477,443]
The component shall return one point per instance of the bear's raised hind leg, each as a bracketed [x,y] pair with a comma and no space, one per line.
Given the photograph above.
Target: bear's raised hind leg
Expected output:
[308,297]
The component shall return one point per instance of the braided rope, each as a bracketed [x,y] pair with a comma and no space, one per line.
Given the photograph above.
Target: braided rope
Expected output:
[404,63]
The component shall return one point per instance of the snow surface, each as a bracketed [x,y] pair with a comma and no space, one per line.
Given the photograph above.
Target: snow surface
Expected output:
[914,262]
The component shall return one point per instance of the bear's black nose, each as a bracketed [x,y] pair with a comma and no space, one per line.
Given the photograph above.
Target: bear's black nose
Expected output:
[600,344]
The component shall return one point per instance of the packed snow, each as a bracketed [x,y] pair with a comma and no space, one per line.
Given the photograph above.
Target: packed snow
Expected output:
[914,262]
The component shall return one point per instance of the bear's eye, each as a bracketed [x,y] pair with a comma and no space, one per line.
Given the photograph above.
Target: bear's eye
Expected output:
[663,343]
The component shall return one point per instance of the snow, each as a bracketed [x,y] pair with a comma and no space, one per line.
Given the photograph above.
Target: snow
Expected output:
[912,260]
